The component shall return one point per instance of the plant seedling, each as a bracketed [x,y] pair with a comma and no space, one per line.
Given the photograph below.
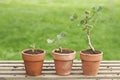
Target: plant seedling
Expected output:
[33,48]
[57,42]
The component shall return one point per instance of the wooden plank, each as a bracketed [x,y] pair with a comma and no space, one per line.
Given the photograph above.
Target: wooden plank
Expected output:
[53,77]
[53,68]
[53,72]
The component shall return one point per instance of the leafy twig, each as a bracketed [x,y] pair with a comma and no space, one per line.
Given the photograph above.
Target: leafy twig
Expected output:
[86,22]
[57,41]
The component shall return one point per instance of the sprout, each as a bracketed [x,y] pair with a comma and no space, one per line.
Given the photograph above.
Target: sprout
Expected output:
[33,47]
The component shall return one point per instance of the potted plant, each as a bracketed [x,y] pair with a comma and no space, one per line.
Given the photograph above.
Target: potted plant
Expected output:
[33,60]
[63,57]
[90,57]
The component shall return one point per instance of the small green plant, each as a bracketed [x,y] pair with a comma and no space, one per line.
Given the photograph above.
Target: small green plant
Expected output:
[33,47]
[57,41]
[86,22]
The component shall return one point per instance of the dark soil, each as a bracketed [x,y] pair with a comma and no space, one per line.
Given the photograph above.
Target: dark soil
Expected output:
[90,51]
[36,51]
[64,51]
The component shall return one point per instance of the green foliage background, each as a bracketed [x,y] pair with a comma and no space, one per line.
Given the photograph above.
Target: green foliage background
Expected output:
[24,22]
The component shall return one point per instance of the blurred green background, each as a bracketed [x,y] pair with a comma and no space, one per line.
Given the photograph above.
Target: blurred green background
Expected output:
[26,22]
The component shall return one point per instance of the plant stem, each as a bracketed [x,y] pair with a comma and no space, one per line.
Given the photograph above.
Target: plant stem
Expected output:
[89,40]
[88,34]
[33,50]
[60,49]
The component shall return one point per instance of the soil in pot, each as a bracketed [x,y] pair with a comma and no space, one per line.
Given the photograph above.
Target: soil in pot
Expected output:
[90,51]
[33,61]
[64,51]
[63,61]
[36,51]
[90,61]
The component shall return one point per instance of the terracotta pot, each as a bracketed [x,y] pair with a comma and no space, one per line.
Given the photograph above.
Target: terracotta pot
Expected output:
[90,63]
[63,62]
[33,63]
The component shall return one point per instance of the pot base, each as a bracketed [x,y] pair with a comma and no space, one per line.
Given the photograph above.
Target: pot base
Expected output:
[63,68]
[33,68]
[90,68]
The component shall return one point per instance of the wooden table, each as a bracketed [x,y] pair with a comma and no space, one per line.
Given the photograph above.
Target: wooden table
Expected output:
[14,70]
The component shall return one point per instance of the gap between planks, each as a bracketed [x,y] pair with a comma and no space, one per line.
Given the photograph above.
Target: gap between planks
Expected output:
[51,61]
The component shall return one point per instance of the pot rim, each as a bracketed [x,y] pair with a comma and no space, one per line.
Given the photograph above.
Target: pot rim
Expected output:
[23,52]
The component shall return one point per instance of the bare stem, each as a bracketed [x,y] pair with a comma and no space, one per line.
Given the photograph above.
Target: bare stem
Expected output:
[60,49]
[89,40]
[88,34]
[33,50]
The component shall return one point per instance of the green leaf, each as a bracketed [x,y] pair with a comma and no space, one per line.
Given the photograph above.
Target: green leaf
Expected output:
[89,17]
[90,26]
[32,46]
[74,17]
[97,8]
[61,35]
[84,28]
[82,22]
[50,41]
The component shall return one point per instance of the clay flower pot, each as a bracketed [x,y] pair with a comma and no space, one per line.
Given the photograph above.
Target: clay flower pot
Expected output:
[90,63]
[33,62]
[63,61]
